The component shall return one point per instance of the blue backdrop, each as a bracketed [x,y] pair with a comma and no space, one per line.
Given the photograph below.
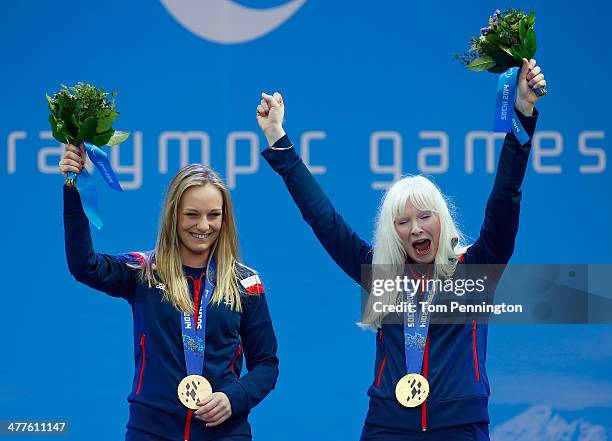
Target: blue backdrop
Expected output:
[371,92]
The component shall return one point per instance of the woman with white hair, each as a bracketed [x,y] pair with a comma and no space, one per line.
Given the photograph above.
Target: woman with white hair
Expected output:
[415,228]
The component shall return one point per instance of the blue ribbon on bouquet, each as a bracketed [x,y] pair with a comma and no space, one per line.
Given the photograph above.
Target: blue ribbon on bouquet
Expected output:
[505,118]
[86,184]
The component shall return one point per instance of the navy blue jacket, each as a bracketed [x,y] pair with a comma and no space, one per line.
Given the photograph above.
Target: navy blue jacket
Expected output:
[454,359]
[159,363]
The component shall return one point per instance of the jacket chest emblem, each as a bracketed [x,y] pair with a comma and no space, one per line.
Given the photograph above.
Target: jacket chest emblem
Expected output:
[252,285]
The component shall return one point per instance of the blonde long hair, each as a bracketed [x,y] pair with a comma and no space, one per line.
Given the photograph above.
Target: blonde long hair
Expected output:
[164,264]
[389,256]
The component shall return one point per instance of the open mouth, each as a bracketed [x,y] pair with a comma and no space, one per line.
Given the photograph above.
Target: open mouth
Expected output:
[422,247]
[198,236]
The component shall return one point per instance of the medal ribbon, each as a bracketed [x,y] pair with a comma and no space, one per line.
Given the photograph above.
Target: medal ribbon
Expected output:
[86,186]
[505,118]
[194,329]
[415,336]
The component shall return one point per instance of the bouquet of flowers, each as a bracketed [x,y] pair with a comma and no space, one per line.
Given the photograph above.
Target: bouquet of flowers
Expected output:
[84,114]
[500,48]
[508,38]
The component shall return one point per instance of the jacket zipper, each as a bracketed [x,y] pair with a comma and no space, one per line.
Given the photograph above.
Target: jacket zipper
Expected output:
[236,355]
[425,373]
[186,433]
[142,362]
[381,339]
[380,371]
[475,350]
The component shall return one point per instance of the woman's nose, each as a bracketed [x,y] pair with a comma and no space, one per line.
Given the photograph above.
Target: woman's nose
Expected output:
[416,229]
[203,224]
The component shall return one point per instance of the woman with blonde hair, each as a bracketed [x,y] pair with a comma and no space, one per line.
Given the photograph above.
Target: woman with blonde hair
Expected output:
[196,311]
[429,381]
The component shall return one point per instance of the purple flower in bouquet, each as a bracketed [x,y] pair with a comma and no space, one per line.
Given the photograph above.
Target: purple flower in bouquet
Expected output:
[503,43]
[495,18]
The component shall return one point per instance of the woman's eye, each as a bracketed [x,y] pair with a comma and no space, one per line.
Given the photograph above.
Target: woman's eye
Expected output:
[426,216]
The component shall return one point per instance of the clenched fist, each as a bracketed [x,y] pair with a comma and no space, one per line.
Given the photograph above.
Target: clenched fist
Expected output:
[73,159]
[270,113]
[531,76]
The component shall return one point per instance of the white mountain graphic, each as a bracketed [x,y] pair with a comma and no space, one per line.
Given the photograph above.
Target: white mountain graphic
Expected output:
[539,423]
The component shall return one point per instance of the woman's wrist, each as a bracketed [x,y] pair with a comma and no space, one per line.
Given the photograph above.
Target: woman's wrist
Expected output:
[524,107]
[273,134]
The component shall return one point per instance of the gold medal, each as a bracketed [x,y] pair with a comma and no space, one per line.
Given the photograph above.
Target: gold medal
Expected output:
[412,390]
[193,388]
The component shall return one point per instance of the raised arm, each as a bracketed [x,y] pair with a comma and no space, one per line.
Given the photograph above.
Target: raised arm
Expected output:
[345,246]
[103,272]
[500,226]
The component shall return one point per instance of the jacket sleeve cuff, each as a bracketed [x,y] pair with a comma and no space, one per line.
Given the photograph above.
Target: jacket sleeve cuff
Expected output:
[280,156]
[528,122]
[72,201]
[282,144]
[238,398]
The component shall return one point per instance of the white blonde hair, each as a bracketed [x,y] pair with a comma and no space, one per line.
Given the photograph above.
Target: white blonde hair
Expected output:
[389,254]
